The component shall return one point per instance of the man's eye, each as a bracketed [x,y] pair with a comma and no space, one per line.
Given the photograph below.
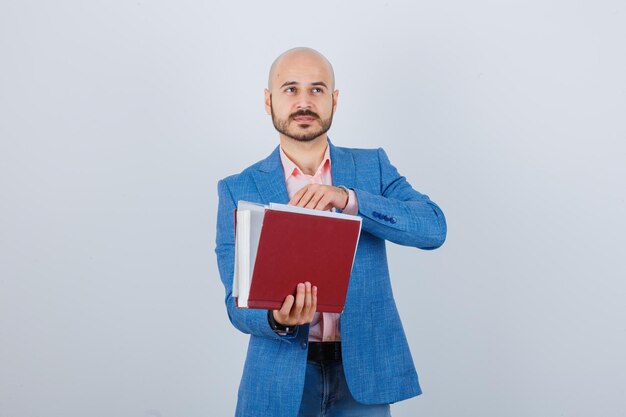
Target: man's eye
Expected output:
[317,90]
[290,89]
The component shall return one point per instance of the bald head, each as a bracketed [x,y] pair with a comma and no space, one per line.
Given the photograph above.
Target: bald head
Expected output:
[297,59]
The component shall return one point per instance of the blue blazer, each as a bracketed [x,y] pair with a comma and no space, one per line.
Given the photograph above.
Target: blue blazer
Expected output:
[376,357]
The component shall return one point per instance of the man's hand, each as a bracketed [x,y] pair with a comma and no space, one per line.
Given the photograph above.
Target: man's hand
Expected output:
[320,197]
[299,309]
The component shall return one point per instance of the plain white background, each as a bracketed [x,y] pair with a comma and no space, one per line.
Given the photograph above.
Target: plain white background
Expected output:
[117,118]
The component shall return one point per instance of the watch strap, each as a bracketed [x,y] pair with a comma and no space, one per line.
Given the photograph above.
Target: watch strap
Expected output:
[278,328]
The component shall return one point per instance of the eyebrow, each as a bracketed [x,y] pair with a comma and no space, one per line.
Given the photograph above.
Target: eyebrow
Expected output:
[322,83]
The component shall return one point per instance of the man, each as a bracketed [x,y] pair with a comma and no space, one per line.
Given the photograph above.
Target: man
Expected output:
[299,362]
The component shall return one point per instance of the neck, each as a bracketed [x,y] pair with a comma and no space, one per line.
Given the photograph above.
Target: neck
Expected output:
[306,155]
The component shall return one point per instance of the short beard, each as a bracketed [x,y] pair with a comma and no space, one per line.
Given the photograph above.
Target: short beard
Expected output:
[283,125]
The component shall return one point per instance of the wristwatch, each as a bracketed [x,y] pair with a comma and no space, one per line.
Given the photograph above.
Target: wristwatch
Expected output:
[278,328]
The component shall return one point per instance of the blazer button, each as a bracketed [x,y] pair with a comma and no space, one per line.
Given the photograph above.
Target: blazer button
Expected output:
[385,218]
[303,344]
[393,220]
[376,214]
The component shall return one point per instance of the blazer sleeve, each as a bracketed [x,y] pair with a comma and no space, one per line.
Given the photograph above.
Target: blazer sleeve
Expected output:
[249,321]
[399,213]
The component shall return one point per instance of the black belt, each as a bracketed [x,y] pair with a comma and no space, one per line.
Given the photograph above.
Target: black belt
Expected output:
[324,351]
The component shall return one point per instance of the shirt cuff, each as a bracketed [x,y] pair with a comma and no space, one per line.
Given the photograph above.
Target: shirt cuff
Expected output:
[353,206]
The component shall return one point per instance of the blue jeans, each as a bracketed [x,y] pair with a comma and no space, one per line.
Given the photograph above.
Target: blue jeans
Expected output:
[326,394]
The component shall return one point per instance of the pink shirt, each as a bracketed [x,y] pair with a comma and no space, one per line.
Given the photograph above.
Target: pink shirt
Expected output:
[325,326]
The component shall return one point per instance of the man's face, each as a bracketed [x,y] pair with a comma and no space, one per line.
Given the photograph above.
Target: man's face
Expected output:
[301,100]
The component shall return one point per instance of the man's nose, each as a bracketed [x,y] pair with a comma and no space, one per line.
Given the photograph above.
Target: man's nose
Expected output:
[303,103]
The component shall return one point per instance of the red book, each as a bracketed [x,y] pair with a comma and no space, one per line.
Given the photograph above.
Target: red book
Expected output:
[279,246]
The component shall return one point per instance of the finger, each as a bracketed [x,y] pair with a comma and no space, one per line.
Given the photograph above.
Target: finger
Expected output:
[311,192]
[324,203]
[304,200]
[313,303]
[296,310]
[307,299]
[313,202]
[298,195]
[285,308]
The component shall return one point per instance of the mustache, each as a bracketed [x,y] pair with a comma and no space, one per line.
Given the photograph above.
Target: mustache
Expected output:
[304,113]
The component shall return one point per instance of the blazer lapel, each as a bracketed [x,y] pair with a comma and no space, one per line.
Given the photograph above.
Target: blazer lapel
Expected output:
[342,166]
[270,180]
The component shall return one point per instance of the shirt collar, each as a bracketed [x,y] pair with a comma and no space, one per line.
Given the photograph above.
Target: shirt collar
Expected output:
[290,168]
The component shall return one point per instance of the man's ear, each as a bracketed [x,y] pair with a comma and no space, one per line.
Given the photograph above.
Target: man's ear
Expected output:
[268,102]
[335,95]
